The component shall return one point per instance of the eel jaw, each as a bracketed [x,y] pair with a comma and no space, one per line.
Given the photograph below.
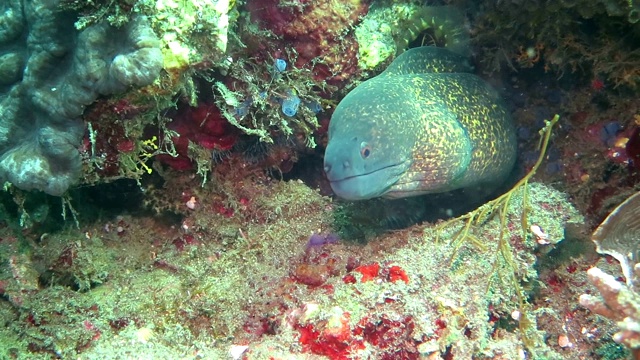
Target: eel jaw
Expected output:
[369,185]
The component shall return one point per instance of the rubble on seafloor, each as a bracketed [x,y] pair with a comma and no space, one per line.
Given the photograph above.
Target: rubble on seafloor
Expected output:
[240,270]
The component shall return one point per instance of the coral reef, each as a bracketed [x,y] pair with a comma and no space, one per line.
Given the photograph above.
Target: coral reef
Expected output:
[390,26]
[220,272]
[235,263]
[50,73]
[563,36]
[125,133]
[203,125]
[321,32]
[192,32]
[597,162]
[243,268]
[114,146]
[276,107]
[618,236]
[619,303]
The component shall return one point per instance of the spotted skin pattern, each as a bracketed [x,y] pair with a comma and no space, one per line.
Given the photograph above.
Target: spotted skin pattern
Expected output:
[424,125]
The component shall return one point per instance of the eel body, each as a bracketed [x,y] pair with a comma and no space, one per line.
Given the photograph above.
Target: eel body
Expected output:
[424,125]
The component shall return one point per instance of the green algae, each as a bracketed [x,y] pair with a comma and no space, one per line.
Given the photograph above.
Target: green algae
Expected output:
[253,107]
[612,351]
[465,292]
[198,300]
[155,299]
[390,26]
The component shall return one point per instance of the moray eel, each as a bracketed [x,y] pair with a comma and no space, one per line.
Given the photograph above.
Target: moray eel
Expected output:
[424,125]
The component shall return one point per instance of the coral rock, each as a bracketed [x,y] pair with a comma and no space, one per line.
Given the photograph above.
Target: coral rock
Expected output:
[318,29]
[203,125]
[50,72]
[619,303]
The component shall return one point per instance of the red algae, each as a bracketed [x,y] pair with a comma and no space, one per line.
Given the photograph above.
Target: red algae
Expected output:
[369,272]
[203,125]
[332,338]
[396,273]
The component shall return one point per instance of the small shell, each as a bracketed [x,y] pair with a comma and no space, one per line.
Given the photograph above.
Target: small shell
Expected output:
[563,341]
[191,203]
[541,236]
[236,351]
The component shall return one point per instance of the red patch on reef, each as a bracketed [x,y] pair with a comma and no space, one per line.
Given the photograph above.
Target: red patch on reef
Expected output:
[369,272]
[107,137]
[373,271]
[554,282]
[392,338]
[397,273]
[334,340]
[598,198]
[597,84]
[105,143]
[66,257]
[203,125]
[349,279]
[183,241]
[126,146]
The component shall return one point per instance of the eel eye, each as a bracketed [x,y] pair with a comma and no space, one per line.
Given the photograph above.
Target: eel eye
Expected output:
[365,150]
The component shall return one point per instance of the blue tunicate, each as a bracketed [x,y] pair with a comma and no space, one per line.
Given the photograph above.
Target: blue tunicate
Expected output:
[280,65]
[612,128]
[313,106]
[290,104]
[243,109]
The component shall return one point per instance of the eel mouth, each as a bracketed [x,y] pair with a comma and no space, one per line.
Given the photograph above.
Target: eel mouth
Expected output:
[367,173]
[367,185]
